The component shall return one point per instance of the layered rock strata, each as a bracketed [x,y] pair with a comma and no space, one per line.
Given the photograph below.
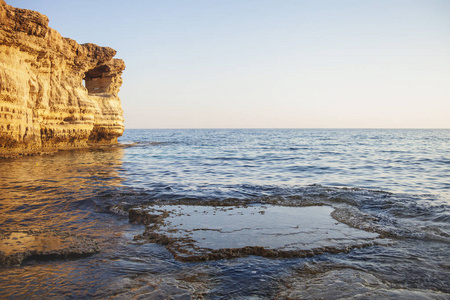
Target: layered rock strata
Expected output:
[54,93]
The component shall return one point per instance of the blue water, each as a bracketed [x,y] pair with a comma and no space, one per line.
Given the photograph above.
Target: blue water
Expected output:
[395,182]
[400,161]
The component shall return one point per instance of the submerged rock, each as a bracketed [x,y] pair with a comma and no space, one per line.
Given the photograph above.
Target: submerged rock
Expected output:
[17,246]
[152,287]
[44,105]
[198,233]
[344,282]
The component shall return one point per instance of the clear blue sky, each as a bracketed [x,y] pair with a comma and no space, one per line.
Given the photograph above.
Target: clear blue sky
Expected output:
[271,64]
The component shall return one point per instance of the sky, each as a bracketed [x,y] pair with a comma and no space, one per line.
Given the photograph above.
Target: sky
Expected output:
[271,63]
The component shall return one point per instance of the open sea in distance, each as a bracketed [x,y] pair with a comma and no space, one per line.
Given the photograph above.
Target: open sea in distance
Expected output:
[394,180]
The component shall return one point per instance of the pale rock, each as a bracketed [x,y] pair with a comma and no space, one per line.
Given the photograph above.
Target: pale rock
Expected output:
[44,105]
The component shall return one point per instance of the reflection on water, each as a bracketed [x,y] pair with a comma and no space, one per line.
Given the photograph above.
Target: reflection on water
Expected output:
[53,192]
[73,191]
[203,232]
[21,241]
[50,280]
[58,193]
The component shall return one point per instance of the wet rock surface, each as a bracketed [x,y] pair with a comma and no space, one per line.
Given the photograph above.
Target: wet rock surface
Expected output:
[200,233]
[18,246]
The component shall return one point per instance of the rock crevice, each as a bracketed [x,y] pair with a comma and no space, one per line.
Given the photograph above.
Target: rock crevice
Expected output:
[44,104]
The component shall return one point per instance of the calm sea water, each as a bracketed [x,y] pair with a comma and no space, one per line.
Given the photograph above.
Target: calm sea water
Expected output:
[399,177]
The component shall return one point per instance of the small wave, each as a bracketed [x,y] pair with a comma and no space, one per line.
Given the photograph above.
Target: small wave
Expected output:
[146,144]
[348,282]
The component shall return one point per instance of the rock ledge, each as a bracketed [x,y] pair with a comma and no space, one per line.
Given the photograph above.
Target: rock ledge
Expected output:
[202,233]
[44,104]
[17,246]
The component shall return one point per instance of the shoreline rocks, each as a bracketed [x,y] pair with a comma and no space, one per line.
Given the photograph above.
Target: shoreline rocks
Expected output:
[201,233]
[18,246]
[54,93]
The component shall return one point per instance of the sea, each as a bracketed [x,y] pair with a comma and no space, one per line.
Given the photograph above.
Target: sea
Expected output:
[395,182]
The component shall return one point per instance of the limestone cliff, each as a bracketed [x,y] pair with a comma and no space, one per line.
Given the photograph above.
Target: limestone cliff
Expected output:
[44,104]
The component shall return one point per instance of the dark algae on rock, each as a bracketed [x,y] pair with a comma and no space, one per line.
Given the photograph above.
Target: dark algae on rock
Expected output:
[202,233]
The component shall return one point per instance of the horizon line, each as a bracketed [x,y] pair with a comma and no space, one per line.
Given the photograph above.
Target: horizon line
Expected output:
[358,128]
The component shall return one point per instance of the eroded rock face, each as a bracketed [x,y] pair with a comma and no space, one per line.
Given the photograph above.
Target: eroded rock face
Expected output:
[44,104]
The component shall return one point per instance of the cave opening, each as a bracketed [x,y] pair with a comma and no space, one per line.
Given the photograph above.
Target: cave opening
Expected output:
[96,80]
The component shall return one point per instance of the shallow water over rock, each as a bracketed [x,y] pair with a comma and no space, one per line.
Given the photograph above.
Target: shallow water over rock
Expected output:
[343,282]
[262,178]
[194,233]
[17,246]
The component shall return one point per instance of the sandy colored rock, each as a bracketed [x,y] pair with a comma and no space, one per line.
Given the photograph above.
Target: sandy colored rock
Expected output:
[44,104]
[17,246]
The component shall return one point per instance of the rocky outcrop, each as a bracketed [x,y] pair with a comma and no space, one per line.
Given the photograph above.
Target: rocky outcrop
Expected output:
[201,233]
[44,104]
[18,246]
